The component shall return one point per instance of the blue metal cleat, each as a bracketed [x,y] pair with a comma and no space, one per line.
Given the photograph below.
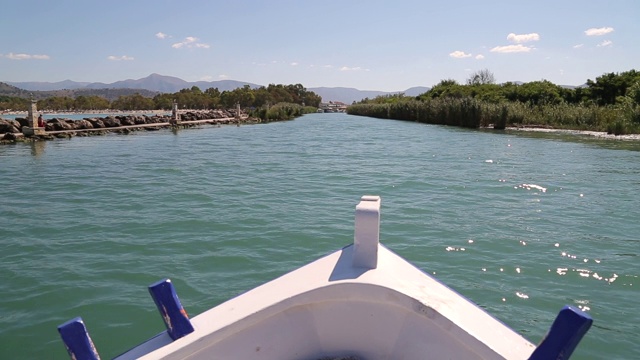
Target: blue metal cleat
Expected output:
[77,340]
[564,335]
[174,316]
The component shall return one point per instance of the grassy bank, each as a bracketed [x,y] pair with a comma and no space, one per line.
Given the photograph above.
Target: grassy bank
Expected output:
[474,113]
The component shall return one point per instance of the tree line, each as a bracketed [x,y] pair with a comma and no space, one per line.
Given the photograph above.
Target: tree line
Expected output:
[608,89]
[192,98]
[609,103]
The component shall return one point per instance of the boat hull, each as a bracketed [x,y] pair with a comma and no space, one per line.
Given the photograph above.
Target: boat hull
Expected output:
[331,309]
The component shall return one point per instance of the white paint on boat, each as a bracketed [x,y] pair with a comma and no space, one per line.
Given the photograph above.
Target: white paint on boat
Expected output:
[341,305]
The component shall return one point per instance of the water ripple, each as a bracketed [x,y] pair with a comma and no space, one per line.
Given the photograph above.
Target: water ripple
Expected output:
[520,225]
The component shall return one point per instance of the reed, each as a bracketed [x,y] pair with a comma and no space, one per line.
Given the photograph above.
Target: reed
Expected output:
[281,111]
[474,113]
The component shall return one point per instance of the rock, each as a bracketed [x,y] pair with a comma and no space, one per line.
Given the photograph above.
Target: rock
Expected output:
[58,124]
[126,120]
[216,117]
[157,119]
[96,123]
[10,136]
[9,126]
[45,137]
[83,124]
[110,121]
[22,122]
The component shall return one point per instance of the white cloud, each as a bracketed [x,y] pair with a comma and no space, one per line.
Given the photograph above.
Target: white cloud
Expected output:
[522,38]
[223,76]
[161,35]
[511,48]
[294,64]
[190,42]
[357,68]
[578,46]
[459,54]
[120,58]
[327,66]
[605,43]
[479,57]
[13,56]
[598,31]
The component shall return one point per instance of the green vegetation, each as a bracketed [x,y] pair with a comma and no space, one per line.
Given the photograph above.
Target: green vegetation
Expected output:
[247,97]
[192,98]
[13,103]
[611,103]
[281,111]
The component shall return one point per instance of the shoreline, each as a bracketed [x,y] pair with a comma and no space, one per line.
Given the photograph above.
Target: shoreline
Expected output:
[161,113]
[104,111]
[125,123]
[596,134]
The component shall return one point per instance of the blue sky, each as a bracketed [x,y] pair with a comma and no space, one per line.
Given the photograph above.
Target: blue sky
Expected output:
[369,45]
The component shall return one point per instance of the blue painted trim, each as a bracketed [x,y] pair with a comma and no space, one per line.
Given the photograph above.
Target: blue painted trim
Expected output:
[564,335]
[77,340]
[175,317]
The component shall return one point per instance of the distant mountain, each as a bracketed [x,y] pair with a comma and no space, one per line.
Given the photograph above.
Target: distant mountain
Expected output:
[153,82]
[415,91]
[156,83]
[48,86]
[109,94]
[349,95]
[10,90]
[223,85]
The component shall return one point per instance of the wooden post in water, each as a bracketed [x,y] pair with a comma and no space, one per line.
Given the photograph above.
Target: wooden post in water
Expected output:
[175,118]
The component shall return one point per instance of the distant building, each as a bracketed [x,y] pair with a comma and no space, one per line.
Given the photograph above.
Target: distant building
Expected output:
[333,107]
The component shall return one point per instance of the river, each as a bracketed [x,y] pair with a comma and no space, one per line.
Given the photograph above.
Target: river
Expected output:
[520,223]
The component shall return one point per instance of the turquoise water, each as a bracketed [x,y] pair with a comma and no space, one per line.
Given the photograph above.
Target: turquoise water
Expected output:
[521,224]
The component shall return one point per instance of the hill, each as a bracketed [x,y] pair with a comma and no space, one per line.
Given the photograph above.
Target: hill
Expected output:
[10,90]
[49,86]
[155,83]
[109,94]
[349,95]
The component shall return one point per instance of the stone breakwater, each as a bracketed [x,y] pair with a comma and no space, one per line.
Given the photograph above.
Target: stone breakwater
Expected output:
[10,130]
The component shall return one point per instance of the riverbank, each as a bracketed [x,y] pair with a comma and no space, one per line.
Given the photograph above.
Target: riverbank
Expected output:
[596,134]
[60,127]
[469,112]
[107,111]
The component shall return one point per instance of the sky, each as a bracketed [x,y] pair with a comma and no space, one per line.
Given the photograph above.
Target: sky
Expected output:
[368,45]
